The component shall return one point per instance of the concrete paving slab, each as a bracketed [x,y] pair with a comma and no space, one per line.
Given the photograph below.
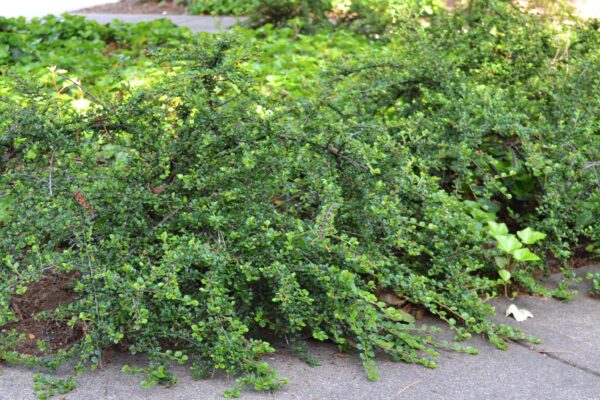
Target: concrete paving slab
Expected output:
[513,374]
[194,23]
[570,329]
[521,372]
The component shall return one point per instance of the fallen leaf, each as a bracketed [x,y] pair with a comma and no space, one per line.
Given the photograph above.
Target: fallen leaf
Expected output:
[420,314]
[519,314]
[389,298]
[157,189]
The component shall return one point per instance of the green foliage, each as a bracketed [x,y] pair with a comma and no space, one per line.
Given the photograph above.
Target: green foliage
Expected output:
[595,279]
[514,257]
[46,386]
[383,17]
[365,16]
[100,56]
[494,97]
[280,11]
[219,7]
[264,11]
[303,185]
[289,65]
[197,215]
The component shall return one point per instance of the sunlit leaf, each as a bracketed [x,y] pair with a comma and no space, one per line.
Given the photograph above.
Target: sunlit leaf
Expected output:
[524,255]
[497,229]
[529,236]
[504,274]
[508,243]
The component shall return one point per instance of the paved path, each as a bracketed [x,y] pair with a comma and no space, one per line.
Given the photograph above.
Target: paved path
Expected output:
[195,23]
[566,366]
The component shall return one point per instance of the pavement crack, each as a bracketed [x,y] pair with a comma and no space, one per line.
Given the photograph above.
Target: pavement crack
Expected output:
[556,357]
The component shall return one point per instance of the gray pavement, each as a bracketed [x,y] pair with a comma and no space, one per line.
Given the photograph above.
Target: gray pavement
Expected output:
[566,366]
[194,22]
[570,329]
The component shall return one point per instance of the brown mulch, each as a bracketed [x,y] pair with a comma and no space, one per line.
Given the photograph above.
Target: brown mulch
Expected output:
[138,7]
[46,294]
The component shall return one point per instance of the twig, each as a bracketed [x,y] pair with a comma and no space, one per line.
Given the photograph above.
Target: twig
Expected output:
[556,351]
[50,174]
[155,227]
[162,221]
[92,273]
[409,386]
[84,90]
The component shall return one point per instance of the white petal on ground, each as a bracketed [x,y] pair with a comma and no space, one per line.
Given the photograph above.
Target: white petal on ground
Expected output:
[519,314]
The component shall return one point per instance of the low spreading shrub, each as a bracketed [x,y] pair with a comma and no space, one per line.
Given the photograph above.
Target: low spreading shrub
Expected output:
[196,216]
[505,110]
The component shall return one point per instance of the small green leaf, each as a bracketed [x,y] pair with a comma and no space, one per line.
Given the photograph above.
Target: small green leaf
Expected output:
[524,255]
[501,262]
[508,243]
[529,236]
[4,207]
[398,315]
[4,51]
[504,274]
[496,229]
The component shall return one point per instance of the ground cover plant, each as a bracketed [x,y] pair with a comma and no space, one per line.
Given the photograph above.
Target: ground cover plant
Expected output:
[100,56]
[366,15]
[332,185]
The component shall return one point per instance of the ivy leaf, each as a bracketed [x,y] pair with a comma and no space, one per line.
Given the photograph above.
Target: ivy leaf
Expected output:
[529,236]
[524,255]
[4,51]
[504,274]
[508,243]
[4,207]
[399,315]
[501,262]
[496,229]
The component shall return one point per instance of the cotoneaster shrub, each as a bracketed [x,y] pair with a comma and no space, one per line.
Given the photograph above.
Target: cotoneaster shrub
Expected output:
[197,216]
[215,205]
[504,108]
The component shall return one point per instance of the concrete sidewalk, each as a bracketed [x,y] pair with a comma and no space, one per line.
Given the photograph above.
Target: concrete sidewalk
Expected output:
[193,22]
[566,366]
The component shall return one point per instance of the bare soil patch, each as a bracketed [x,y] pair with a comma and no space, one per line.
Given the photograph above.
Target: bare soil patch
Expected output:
[138,7]
[46,294]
